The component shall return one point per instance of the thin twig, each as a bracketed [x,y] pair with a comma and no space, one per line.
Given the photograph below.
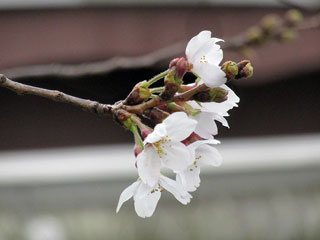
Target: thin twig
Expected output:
[240,41]
[147,60]
[311,23]
[103,67]
[84,104]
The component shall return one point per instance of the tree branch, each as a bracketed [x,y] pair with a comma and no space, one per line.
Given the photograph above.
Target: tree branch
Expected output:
[103,67]
[241,40]
[87,105]
[139,109]
[147,60]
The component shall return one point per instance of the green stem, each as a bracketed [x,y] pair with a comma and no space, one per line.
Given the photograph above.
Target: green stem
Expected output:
[157,90]
[136,134]
[158,77]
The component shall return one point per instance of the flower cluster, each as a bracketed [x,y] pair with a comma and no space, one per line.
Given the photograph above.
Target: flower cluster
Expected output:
[182,140]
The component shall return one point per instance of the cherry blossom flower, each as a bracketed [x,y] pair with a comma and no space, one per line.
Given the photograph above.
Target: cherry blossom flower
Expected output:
[205,55]
[146,198]
[209,112]
[164,148]
[204,155]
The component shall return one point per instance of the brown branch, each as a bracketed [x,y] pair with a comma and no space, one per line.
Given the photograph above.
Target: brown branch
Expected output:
[103,67]
[147,60]
[139,109]
[87,105]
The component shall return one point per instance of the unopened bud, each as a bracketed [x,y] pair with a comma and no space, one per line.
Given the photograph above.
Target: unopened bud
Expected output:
[139,93]
[245,69]
[177,69]
[181,68]
[171,85]
[173,62]
[155,114]
[230,68]
[293,17]
[270,22]
[255,35]
[123,117]
[212,95]
[137,149]
[287,35]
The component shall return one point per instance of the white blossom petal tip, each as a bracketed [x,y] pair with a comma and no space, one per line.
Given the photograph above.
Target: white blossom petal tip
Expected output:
[205,55]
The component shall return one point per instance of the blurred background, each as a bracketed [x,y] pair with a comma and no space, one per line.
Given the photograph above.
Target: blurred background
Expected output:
[62,169]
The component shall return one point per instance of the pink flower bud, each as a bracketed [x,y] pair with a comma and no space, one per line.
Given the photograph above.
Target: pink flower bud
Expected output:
[173,62]
[182,67]
[137,150]
[145,132]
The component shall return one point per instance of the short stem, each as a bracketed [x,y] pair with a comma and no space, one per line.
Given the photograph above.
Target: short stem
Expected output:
[137,137]
[157,90]
[158,77]
[177,108]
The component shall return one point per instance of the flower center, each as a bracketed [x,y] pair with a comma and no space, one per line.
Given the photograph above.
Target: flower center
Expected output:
[203,59]
[195,163]
[158,188]
[159,145]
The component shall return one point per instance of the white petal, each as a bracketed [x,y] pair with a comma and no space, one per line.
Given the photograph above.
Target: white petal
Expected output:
[221,119]
[127,194]
[177,190]
[215,55]
[146,206]
[189,178]
[208,52]
[209,156]
[148,164]
[206,126]
[224,107]
[210,74]
[232,97]
[143,190]
[158,133]
[193,146]
[176,156]
[179,126]
[196,43]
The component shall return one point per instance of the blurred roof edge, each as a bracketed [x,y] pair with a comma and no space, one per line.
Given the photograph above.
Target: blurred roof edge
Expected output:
[36,4]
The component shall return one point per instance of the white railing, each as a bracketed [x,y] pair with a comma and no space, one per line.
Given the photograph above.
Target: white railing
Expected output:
[117,161]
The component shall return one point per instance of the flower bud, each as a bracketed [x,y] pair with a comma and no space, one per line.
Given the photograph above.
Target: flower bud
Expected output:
[137,149]
[182,67]
[270,22]
[255,35]
[123,117]
[171,85]
[212,95]
[139,93]
[145,132]
[230,68]
[177,69]
[245,69]
[293,17]
[155,114]
[287,35]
